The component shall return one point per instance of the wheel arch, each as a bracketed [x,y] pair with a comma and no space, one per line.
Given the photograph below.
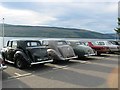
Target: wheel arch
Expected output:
[22,54]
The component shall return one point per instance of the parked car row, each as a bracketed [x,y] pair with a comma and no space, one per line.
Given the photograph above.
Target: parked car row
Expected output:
[112,47]
[23,53]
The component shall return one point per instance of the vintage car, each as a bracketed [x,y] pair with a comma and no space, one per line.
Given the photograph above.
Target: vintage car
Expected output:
[115,42]
[112,47]
[25,53]
[59,50]
[2,64]
[97,48]
[80,49]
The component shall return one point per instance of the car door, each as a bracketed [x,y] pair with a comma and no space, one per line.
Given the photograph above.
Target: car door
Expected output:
[11,50]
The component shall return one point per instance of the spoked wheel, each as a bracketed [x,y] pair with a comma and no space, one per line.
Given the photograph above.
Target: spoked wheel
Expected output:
[20,63]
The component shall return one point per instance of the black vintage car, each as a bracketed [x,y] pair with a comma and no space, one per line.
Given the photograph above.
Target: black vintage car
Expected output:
[25,53]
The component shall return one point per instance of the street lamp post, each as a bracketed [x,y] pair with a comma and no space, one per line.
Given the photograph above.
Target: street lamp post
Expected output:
[3,31]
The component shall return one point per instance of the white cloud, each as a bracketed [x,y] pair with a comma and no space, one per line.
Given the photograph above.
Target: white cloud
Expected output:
[111,8]
[59,0]
[25,17]
[86,15]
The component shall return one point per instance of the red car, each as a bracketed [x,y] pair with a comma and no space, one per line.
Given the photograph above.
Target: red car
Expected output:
[98,49]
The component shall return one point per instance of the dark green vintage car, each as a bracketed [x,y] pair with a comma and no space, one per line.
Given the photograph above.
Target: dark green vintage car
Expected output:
[80,49]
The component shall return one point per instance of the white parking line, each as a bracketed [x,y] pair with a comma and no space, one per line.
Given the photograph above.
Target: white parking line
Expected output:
[19,75]
[60,67]
[80,61]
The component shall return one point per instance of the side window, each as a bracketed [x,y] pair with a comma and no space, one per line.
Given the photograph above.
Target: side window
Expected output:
[28,44]
[110,43]
[86,43]
[9,44]
[14,44]
[101,43]
[68,43]
[45,43]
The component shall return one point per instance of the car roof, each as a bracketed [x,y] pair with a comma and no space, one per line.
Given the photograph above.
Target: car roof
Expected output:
[23,40]
[51,39]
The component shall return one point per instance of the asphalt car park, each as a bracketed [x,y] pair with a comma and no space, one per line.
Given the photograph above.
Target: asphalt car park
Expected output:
[93,72]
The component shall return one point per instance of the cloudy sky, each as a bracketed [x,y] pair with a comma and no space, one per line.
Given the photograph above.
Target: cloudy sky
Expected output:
[100,16]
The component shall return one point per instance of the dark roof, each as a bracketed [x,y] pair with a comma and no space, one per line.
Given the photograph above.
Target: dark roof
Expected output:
[23,40]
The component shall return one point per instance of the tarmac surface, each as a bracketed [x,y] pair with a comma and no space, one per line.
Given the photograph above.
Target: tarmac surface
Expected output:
[93,72]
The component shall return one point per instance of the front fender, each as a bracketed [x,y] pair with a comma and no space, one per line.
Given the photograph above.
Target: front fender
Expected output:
[3,54]
[23,54]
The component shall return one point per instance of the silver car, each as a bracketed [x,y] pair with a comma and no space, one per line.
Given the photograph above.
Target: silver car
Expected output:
[59,50]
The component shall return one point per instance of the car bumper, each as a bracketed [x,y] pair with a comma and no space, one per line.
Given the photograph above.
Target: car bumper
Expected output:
[71,58]
[2,67]
[48,61]
[87,55]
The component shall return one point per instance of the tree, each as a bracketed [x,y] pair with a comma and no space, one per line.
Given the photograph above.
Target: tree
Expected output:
[118,28]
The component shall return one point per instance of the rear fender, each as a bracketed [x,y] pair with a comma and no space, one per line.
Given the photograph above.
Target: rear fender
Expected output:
[54,54]
[23,54]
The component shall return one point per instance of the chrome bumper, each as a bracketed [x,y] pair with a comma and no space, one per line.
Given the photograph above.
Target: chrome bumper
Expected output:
[49,61]
[2,67]
[87,55]
[71,58]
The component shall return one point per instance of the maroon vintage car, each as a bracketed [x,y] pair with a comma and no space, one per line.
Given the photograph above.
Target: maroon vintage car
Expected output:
[98,49]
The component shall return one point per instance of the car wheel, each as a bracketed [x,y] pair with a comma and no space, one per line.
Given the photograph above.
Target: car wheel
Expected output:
[54,61]
[52,58]
[97,53]
[20,63]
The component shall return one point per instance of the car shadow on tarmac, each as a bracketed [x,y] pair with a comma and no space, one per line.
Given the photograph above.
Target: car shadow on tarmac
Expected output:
[74,78]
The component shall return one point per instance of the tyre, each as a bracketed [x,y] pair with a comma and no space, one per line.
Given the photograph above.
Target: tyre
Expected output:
[20,62]
[97,53]
[52,57]
[54,61]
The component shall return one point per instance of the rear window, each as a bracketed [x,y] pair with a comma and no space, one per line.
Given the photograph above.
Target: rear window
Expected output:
[33,44]
[61,42]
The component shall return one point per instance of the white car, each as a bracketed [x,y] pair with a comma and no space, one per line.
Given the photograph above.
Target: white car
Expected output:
[112,47]
[2,65]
